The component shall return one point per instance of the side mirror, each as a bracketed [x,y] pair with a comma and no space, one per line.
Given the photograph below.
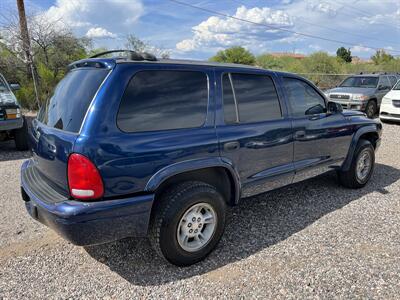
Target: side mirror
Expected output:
[334,108]
[15,86]
[382,87]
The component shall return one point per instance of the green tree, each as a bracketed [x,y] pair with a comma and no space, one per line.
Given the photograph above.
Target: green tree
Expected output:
[237,55]
[138,45]
[344,54]
[381,57]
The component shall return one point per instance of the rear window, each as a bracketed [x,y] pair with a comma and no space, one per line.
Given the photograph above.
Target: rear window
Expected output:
[67,107]
[162,100]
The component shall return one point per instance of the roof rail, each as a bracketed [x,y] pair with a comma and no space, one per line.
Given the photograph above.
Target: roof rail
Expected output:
[132,55]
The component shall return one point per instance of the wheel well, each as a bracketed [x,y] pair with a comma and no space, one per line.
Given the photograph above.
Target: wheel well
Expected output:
[219,177]
[371,137]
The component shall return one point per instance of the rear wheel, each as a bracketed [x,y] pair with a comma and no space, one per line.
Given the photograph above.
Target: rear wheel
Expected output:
[187,223]
[21,137]
[371,109]
[361,168]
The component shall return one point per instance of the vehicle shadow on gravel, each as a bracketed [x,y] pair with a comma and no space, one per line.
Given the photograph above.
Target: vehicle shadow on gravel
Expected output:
[7,148]
[256,224]
[8,152]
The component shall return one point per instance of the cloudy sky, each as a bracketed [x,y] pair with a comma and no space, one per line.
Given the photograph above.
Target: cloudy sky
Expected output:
[192,33]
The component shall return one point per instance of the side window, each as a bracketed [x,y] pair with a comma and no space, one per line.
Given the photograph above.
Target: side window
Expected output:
[255,97]
[303,98]
[230,114]
[393,80]
[161,100]
[384,81]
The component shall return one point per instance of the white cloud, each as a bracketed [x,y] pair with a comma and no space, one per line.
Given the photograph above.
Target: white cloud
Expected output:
[315,47]
[106,21]
[99,33]
[361,49]
[384,18]
[84,13]
[323,7]
[217,32]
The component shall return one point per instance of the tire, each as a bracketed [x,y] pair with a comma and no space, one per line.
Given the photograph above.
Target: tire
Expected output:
[352,178]
[167,222]
[21,137]
[371,109]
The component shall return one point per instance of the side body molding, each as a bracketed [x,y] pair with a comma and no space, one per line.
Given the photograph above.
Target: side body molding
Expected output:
[354,141]
[192,165]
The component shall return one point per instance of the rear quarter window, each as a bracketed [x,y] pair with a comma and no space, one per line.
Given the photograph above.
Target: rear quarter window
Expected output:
[66,108]
[162,100]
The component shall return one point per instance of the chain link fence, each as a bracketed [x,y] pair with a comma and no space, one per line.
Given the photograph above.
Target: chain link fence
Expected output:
[325,81]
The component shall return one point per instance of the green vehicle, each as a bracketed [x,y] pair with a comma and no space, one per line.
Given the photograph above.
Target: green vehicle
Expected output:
[12,123]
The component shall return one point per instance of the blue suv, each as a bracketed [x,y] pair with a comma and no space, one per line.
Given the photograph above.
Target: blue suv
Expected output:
[134,146]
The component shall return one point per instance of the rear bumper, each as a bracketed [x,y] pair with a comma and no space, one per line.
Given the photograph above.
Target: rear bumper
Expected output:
[6,125]
[88,223]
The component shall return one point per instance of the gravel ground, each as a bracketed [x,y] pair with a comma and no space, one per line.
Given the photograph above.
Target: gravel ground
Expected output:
[314,239]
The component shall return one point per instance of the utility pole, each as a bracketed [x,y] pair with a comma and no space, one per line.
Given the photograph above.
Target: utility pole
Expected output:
[26,46]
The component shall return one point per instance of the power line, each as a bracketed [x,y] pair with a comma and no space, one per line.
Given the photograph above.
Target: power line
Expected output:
[327,27]
[362,12]
[213,12]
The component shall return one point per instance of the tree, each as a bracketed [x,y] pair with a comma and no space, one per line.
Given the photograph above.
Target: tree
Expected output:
[381,57]
[344,54]
[53,47]
[136,44]
[237,55]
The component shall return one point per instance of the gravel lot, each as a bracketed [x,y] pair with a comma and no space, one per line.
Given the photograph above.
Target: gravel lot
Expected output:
[311,240]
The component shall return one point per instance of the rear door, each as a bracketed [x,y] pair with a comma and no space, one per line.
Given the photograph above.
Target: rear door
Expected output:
[321,139]
[57,126]
[254,133]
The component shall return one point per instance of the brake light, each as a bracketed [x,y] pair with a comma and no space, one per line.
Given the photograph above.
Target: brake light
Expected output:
[84,179]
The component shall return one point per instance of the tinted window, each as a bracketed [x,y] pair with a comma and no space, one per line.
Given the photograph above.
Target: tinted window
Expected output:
[303,98]
[161,100]
[229,101]
[256,98]
[71,99]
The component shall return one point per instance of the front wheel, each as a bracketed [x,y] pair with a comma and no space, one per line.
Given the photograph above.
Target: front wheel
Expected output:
[361,168]
[187,223]
[371,109]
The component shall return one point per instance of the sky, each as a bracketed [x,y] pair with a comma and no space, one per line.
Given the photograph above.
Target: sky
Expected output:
[188,32]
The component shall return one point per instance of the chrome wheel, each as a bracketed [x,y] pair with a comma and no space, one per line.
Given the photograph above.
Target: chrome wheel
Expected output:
[364,164]
[196,227]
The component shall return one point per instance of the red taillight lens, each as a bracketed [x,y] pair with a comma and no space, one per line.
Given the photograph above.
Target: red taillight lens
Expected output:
[83,178]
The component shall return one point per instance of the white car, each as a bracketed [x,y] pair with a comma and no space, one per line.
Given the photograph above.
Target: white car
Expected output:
[390,106]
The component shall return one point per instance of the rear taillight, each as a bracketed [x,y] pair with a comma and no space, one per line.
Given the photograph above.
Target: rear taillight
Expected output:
[84,179]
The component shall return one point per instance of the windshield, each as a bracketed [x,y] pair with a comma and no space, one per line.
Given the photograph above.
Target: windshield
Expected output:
[397,86]
[3,85]
[359,81]
[67,107]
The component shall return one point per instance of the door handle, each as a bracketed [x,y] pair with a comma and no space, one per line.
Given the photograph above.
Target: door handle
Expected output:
[230,146]
[300,134]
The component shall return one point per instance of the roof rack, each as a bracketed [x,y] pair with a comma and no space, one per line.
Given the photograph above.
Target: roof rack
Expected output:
[132,55]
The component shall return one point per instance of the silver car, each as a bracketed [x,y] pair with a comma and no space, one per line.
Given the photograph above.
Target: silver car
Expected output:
[362,92]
